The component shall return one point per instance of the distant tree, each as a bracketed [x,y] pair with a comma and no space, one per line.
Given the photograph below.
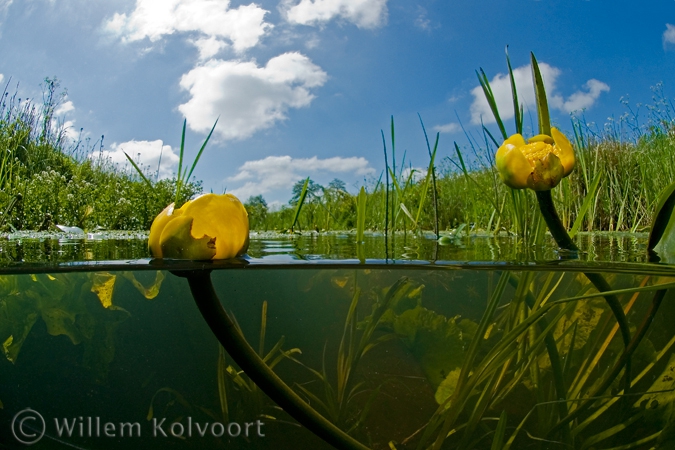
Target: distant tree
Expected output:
[337,185]
[339,205]
[313,192]
[257,209]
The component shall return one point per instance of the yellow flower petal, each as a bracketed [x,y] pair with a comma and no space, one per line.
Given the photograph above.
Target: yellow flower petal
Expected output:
[223,217]
[158,226]
[565,149]
[539,164]
[513,167]
[177,241]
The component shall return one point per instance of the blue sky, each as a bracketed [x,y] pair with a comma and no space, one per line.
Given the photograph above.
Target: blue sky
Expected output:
[303,87]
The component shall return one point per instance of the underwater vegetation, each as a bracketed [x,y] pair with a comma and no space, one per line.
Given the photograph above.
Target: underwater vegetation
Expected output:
[398,358]
[64,303]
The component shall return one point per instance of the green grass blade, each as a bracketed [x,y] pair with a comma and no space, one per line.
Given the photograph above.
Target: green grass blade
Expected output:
[301,200]
[138,169]
[407,213]
[222,388]
[492,138]
[498,439]
[263,329]
[469,178]
[201,150]
[427,182]
[492,102]
[386,186]
[654,287]
[179,179]
[360,215]
[433,177]
[517,111]
[590,197]
[540,94]
[393,145]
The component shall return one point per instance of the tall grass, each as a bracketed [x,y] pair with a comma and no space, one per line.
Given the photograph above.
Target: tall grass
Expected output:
[631,158]
[61,181]
[631,161]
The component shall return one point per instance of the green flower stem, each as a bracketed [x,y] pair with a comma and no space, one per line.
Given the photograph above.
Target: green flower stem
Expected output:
[564,241]
[235,344]
[555,226]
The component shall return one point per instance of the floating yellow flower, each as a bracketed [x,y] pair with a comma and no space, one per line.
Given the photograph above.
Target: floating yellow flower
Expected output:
[208,227]
[538,164]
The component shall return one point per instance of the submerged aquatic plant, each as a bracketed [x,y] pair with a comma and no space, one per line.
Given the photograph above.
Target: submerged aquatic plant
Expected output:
[79,307]
[239,397]
[338,397]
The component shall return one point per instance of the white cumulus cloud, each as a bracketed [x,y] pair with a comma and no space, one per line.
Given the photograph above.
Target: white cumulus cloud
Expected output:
[501,88]
[208,47]
[146,154]
[63,108]
[153,19]
[447,128]
[362,13]
[64,122]
[580,99]
[669,35]
[246,97]
[275,173]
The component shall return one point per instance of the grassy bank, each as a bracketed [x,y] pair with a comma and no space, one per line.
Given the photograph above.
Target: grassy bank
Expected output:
[46,178]
[634,161]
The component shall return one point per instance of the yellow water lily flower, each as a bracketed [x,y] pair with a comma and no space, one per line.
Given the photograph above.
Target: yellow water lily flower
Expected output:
[538,164]
[209,227]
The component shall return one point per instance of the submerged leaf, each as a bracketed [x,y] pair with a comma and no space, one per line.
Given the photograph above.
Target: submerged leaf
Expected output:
[17,318]
[150,292]
[60,321]
[659,401]
[103,284]
[447,387]
[436,342]
[586,314]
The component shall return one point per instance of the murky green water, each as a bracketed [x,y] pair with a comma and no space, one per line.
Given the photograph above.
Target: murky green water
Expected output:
[107,340]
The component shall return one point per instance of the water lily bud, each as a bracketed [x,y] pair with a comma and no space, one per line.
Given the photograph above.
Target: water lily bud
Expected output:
[538,164]
[209,227]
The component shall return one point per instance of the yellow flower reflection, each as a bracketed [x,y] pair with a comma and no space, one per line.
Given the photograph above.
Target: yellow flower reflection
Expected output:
[208,227]
[538,164]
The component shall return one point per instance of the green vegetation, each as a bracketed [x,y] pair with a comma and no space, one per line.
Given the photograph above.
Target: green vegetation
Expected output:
[49,180]
[72,183]
[631,162]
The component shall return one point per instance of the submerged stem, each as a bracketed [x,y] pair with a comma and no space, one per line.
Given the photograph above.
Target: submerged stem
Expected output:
[564,241]
[234,342]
